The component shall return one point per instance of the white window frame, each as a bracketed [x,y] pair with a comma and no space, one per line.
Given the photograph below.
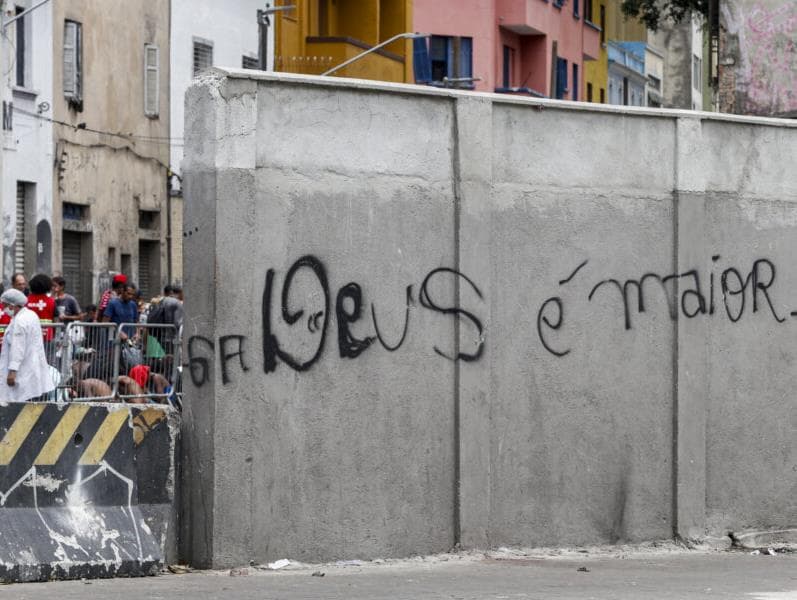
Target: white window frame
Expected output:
[151,97]
[73,88]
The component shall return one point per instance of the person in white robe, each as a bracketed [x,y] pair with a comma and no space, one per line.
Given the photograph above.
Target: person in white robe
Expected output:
[24,372]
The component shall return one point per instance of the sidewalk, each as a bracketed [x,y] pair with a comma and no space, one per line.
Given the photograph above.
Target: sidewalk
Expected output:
[504,575]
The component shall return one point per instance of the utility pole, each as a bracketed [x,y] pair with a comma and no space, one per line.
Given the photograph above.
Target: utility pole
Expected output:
[263,23]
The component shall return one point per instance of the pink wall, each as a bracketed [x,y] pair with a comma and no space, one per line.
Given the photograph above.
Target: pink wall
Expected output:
[472,18]
[536,68]
[483,20]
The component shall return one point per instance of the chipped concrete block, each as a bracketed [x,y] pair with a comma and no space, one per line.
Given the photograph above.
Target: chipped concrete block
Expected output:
[85,490]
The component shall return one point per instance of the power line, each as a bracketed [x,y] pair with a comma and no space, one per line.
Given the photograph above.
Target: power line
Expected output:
[83,127]
[169,168]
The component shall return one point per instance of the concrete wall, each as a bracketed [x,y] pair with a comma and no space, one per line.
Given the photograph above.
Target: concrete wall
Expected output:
[411,328]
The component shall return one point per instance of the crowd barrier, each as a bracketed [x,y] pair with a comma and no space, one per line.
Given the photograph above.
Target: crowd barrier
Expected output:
[105,362]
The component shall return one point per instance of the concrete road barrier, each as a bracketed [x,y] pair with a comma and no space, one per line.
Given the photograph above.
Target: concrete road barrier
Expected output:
[85,490]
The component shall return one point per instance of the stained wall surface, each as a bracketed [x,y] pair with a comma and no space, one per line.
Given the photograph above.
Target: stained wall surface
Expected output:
[757,64]
[422,317]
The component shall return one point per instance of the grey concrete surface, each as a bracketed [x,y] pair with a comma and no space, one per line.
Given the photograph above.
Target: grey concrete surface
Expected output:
[613,284]
[652,577]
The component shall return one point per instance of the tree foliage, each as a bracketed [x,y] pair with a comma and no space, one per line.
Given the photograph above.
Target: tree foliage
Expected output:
[653,13]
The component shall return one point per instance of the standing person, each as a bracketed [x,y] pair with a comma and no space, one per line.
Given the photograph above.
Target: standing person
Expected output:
[169,309]
[125,310]
[18,282]
[66,305]
[161,342]
[24,373]
[42,304]
[117,285]
[122,310]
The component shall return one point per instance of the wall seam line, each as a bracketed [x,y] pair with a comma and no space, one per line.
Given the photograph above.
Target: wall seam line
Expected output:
[455,174]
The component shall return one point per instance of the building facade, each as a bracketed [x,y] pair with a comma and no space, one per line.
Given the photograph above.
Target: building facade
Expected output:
[627,79]
[757,62]
[202,35]
[110,107]
[529,47]
[320,34]
[27,149]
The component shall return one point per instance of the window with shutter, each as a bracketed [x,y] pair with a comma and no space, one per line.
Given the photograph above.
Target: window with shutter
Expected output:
[72,63]
[21,45]
[151,69]
[203,56]
[448,61]
[561,78]
[19,246]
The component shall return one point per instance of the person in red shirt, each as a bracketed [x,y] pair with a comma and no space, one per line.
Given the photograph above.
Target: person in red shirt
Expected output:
[42,304]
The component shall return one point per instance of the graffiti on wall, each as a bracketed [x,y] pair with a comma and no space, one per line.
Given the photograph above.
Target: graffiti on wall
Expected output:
[766,48]
[731,292]
[309,319]
[725,291]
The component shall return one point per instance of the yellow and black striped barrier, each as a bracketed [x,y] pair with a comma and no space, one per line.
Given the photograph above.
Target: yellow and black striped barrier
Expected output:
[77,487]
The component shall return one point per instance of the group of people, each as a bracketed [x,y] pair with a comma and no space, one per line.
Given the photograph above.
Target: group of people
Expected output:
[147,353]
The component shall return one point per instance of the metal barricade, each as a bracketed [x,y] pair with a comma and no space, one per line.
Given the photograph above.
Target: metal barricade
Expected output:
[53,337]
[178,384]
[90,361]
[149,363]
[105,362]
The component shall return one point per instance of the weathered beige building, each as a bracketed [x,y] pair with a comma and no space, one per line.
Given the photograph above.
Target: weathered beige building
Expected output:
[111,208]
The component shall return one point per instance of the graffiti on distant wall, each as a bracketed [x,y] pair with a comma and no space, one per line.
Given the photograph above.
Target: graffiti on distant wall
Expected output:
[310,321]
[766,64]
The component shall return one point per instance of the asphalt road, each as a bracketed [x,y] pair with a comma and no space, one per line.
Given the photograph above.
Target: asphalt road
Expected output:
[673,576]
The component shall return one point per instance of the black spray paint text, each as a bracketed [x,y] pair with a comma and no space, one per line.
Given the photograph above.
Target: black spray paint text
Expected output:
[348,308]
[685,294]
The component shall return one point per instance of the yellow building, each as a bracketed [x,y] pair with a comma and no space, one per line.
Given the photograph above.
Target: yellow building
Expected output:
[320,34]
[607,15]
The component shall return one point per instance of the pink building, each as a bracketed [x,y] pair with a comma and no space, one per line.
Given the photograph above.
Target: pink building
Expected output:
[536,47]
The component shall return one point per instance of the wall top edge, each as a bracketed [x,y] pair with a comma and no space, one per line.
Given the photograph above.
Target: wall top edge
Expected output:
[218,73]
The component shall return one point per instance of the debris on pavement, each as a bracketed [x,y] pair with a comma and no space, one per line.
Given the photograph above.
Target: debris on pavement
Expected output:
[179,569]
[318,574]
[279,564]
[349,563]
[242,572]
[583,570]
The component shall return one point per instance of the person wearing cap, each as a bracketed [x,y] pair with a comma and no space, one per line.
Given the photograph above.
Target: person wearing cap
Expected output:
[24,373]
[117,286]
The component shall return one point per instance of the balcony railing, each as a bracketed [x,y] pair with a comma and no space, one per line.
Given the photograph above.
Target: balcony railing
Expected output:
[324,53]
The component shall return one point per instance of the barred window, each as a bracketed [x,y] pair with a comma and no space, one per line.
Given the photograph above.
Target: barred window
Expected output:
[203,56]
[250,62]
